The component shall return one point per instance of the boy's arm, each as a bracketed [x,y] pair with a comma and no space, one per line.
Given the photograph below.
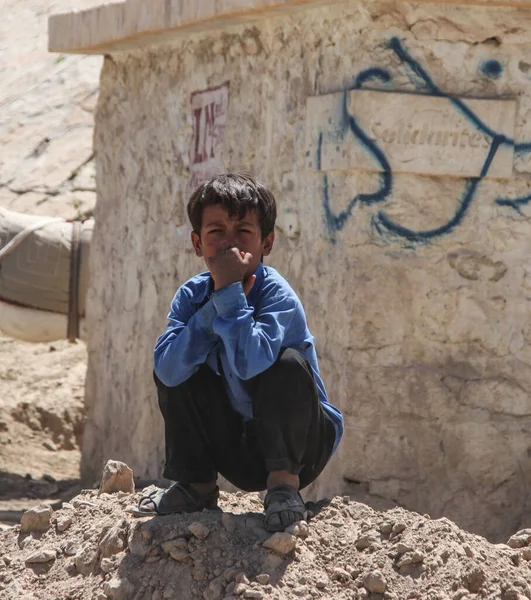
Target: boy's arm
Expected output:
[252,344]
[186,342]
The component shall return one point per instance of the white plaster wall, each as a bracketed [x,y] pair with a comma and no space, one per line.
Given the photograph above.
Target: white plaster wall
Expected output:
[422,345]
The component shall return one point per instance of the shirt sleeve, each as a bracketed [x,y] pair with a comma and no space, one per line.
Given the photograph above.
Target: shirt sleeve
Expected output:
[252,344]
[187,341]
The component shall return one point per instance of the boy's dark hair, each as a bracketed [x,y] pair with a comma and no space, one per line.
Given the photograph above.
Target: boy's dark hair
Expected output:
[238,193]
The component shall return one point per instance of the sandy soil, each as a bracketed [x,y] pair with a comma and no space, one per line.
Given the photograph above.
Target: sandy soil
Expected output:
[41,422]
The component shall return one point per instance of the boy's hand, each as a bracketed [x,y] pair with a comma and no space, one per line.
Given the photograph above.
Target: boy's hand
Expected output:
[229,266]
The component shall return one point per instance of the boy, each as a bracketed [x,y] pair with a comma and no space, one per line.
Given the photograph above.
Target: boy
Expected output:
[236,369]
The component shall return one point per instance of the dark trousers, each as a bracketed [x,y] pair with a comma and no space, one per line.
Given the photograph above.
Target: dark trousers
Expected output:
[206,436]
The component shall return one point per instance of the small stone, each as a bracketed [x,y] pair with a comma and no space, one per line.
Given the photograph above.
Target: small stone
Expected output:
[71,548]
[199,573]
[117,477]
[114,541]
[403,548]
[228,522]
[239,589]
[366,541]
[177,549]
[116,589]
[321,583]
[524,534]
[519,541]
[299,529]
[282,543]
[256,594]
[263,578]
[526,553]
[417,557]
[460,593]
[107,565]
[375,583]
[474,579]
[36,519]
[363,593]
[241,578]
[85,559]
[339,574]
[63,523]
[214,590]
[199,530]
[49,445]
[41,557]
[398,528]
[386,528]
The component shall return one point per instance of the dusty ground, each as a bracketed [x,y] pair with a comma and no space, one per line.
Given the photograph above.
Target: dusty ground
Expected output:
[94,549]
[41,422]
[47,168]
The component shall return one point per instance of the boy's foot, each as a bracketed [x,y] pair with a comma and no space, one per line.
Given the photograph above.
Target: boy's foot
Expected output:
[178,498]
[283,506]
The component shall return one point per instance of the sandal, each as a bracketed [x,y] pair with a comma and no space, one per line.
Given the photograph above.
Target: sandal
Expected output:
[283,507]
[178,498]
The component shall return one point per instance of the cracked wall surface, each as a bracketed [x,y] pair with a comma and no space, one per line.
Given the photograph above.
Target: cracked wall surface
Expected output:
[423,340]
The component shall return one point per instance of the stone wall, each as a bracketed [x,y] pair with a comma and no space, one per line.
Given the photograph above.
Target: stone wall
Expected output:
[416,284]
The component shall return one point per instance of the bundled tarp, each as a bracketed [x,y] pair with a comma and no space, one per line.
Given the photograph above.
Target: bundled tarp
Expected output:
[44,264]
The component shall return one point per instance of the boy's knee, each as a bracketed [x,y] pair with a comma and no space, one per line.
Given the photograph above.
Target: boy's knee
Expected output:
[291,360]
[289,368]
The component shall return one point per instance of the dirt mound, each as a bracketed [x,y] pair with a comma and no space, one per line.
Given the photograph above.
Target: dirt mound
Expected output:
[92,548]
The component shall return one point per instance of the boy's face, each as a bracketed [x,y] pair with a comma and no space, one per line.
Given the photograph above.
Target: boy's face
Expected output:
[219,232]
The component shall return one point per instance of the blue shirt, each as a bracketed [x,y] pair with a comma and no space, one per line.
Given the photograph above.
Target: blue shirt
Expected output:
[246,333]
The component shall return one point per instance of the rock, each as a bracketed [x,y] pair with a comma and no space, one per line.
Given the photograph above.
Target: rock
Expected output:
[117,477]
[474,578]
[339,574]
[85,558]
[41,556]
[263,578]
[321,582]
[228,522]
[256,594]
[526,553]
[366,541]
[299,529]
[63,523]
[240,588]
[386,528]
[36,519]
[114,541]
[398,528]
[198,530]
[403,548]
[177,549]
[214,590]
[282,543]
[107,565]
[375,583]
[118,589]
[521,539]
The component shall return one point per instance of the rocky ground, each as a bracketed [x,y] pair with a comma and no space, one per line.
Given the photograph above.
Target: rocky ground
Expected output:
[93,548]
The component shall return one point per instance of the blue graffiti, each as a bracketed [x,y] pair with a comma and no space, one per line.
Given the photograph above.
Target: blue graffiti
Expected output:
[381,222]
[492,68]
